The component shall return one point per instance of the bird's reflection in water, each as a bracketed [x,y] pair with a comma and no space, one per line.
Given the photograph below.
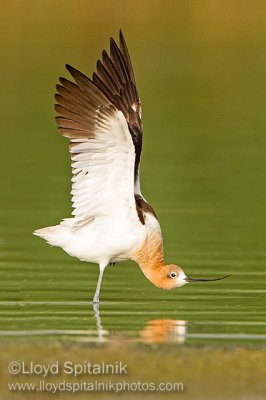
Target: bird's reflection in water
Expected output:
[156,331]
[164,331]
[101,333]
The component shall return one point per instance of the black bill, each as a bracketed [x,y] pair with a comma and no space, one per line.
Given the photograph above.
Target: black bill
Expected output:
[204,279]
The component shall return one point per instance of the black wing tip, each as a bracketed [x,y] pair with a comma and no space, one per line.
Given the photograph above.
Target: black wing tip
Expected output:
[76,73]
[121,36]
[58,108]
[99,64]
[65,81]
[94,76]
[58,87]
[112,42]
[105,55]
[62,80]
[69,67]
[73,71]
[57,97]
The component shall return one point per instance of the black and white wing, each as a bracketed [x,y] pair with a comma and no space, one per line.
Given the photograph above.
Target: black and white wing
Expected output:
[102,119]
[115,78]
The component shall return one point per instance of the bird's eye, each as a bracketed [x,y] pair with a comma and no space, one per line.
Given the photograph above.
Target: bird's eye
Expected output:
[173,275]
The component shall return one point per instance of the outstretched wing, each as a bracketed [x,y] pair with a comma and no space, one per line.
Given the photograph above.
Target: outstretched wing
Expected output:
[101,117]
[101,147]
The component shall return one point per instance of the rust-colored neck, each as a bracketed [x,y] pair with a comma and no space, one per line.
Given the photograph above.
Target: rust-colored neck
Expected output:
[150,254]
[154,272]
[150,257]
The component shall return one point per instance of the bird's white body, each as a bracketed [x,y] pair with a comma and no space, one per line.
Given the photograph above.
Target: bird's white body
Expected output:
[102,240]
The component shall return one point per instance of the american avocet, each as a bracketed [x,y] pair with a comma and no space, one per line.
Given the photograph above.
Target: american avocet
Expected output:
[112,220]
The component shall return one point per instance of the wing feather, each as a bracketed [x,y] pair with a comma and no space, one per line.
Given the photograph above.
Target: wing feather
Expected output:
[101,147]
[102,118]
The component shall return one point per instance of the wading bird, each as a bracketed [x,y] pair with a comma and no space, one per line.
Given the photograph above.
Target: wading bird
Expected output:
[111,221]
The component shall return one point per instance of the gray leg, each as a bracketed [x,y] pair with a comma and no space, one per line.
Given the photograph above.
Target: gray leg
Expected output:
[96,297]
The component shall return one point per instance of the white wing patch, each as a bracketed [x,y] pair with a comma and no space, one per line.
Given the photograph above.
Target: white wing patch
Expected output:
[103,167]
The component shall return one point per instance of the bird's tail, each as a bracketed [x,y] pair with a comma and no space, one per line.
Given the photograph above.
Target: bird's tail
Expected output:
[54,235]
